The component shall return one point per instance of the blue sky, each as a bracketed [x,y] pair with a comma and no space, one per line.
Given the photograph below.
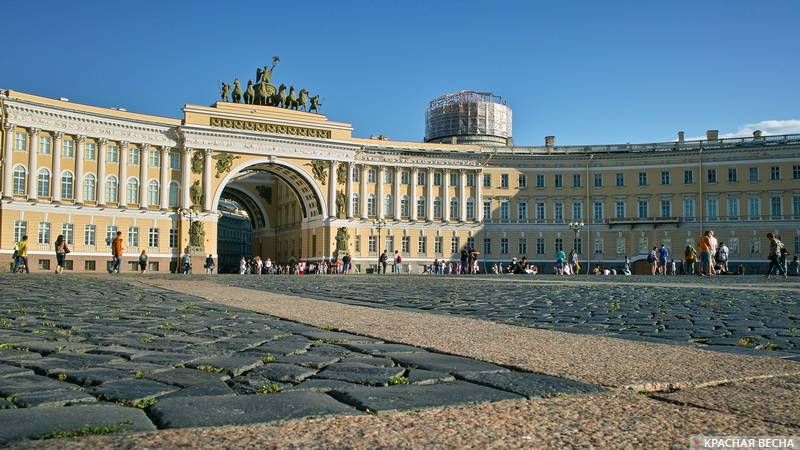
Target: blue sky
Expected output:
[585,71]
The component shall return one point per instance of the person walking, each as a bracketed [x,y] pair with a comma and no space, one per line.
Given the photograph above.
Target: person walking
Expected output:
[652,259]
[61,253]
[627,269]
[690,256]
[663,256]
[397,262]
[560,257]
[704,245]
[242,266]
[186,263]
[142,262]
[209,265]
[346,261]
[775,248]
[21,255]
[382,261]
[116,253]
[722,257]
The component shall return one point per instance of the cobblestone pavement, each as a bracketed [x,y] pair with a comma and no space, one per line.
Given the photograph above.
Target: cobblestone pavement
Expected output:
[80,355]
[734,314]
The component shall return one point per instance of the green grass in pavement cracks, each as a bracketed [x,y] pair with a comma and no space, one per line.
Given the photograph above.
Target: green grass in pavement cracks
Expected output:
[269,388]
[209,369]
[85,431]
[268,359]
[398,379]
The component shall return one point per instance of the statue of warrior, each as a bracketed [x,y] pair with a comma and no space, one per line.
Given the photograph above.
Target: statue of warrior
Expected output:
[224,91]
[265,74]
[315,103]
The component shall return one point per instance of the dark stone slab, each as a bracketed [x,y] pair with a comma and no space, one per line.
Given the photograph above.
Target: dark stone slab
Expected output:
[24,423]
[245,385]
[213,387]
[322,385]
[336,337]
[48,365]
[118,351]
[6,404]
[400,397]
[422,376]
[178,412]
[311,360]
[30,383]
[530,385]
[164,359]
[11,371]
[282,372]
[231,365]
[444,363]
[286,346]
[96,376]
[361,373]
[183,377]
[132,390]
[14,355]
[369,360]
[382,349]
[55,398]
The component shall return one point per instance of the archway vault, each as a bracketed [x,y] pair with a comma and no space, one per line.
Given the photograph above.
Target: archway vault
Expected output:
[259,219]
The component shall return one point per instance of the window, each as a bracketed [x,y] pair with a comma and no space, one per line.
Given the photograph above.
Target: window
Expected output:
[175,161]
[45,145]
[388,176]
[559,243]
[154,158]
[666,208]
[453,179]
[371,205]
[388,205]
[539,181]
[112,153]
[173,194]
[89,234]
[153,193]
[598,180]
[754,206]
[20,229]
[404,209]
[733,175]
[437,208]
[504,210]
[642,178]
[753,174]
[775,173]
[438,242]
[405,177]
[68,230]
[133,237]
[355,200]
[619,209]
[540,212]
[503,246]
[133,191]
[598,212]
[112,188]
[598,246]
[559,181]
[504,180]
[422,245]
[470,180]
[89,188]
[688,208]
[91,151]
[437,178]
[522,246]
[453,208]
[711,176]
[688,177]
[712,212]
[21,143]
[19,180]
[577,210]
[405,244]
[540,246]
[44,264]
[796,205]
[558,212]
[111,233]
[357,244]
[470,242]
[796,175]
[522,211]
[420,207]
[420,178]
[152,238]
[89,266]
[642,209]
[576,180]
[454,244]
[487,246]
[775,204]
[68,148]
[471,208]
[665,177]
[733,208]
[487,210]
[173,238]
[44,232]
[43,183]
[372,244]
[487,180]
[620,179]
[133,156]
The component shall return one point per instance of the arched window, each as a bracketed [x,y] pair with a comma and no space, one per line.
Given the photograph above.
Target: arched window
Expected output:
[152,193]
[471,208]
[371,205]
[67,185]
[437,208]
[421,207]
[173,194]
[112,189]
[388,205]
[454,208]
[43,183]
[404,211]
[356,208]
[133,191]
[89,188]
[19,180]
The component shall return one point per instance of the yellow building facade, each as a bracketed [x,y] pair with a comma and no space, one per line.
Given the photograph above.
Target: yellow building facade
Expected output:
[309,186]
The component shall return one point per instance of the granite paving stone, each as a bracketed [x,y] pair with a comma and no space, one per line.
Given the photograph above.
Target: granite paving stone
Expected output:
[284,346]
[60,397]
[361,373]
[444,363]
[422,376]
[530,385]
[7,370]
[30,383]
[382,349]
[132,390]
[231,365]
[95,376]
[211,387]
[312,360]
[282,372]
[184,377]
[321,385]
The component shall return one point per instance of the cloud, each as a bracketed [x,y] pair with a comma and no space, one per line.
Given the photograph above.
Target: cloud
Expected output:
[768,127]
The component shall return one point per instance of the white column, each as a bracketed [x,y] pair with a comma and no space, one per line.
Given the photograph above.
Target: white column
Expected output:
[364,194]
[412,194]
[429,201]
[478,196]
[33,150]
[122,183]
[332,189]
[143,175]
[8,155]
[164,178]
[56,179]
[208,192]
[186,178]
[462,195]
[446,195]
[379,192]
[101,172]
[78,182]
[349,184]
[396,194]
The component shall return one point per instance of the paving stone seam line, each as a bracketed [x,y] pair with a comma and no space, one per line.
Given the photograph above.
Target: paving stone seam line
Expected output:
[689,404]
[646,387]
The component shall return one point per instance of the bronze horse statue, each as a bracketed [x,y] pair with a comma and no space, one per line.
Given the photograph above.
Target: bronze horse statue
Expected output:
[301,102]
[279,99]
[237,91]
[250,93]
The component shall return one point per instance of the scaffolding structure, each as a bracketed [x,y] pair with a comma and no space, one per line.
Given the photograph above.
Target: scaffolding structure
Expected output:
[468,117]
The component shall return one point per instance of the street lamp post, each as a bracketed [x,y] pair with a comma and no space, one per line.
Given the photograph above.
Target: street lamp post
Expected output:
[379,224]
[188,214]
[576,227]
